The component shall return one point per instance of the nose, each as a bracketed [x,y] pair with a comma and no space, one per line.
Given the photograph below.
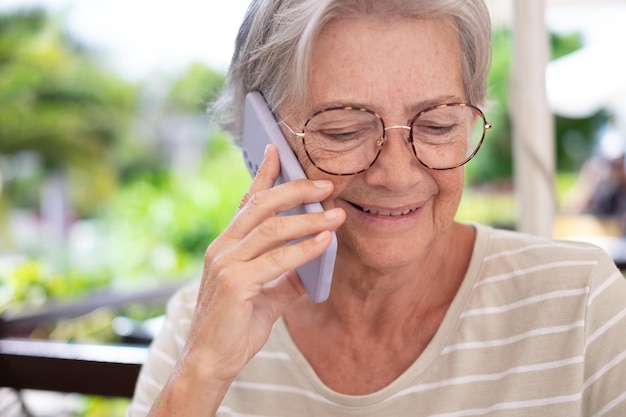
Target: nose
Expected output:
[396,167]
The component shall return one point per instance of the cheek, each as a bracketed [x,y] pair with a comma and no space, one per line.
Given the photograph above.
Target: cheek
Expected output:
[451,186]
[309,169]
[340,184]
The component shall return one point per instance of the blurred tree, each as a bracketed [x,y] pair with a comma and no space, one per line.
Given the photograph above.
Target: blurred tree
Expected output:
[197,86]
[164,216]
[57,103]
[174,124]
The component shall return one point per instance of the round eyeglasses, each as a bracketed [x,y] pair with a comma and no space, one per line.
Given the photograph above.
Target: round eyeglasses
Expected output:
[348,140]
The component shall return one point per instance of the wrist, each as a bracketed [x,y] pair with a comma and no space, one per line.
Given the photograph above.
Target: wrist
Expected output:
[189,392]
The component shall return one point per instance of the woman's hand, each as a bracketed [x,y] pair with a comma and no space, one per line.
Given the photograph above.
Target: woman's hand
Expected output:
[249,278]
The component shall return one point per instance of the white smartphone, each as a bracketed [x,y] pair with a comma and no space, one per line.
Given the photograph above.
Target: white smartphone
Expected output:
[260,128]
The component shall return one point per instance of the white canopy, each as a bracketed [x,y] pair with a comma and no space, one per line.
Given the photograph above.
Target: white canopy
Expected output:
[594,77]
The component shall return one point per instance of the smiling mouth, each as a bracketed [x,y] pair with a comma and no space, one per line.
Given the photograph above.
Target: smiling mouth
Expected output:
[387,213]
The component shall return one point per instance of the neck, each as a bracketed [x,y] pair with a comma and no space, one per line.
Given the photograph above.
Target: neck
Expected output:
[367,300]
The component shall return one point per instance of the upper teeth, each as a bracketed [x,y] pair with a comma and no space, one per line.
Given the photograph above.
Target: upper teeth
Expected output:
[387,213]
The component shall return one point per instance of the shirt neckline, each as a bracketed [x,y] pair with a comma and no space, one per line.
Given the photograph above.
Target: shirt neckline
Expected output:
[423,362]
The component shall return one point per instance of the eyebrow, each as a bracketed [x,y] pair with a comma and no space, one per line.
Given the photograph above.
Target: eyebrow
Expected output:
[414,108]
[447,99]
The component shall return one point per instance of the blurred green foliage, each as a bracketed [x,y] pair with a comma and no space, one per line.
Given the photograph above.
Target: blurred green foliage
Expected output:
[159,224]
[194,89]
[63,111]
[575,138]
[57,101]
[155,229]
[30,283]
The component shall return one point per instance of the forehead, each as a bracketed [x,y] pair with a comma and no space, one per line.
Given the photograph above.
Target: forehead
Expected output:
[390,66]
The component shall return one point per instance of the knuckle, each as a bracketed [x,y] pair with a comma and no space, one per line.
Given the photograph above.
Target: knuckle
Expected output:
[215,260]
[212,252]
[216,256]
[272,227]
[255,200]
[224,275]
[276,256]
[226,279]
[219,264]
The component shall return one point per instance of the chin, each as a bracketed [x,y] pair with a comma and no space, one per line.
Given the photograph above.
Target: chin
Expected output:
[382,254]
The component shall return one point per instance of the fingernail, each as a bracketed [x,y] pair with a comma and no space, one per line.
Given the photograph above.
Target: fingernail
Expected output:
[265,151]
[322,183]
[332,213]
[322,236]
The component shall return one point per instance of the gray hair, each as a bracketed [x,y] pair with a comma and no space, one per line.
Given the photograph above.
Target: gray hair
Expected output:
[274,43]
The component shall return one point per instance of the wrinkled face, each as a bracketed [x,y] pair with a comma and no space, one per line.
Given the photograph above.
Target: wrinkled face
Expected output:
[398,209]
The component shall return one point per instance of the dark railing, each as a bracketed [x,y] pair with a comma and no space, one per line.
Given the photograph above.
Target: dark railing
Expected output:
[107,370]
[95,369]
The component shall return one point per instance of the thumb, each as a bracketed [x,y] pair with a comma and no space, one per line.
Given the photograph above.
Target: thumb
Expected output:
[283,291]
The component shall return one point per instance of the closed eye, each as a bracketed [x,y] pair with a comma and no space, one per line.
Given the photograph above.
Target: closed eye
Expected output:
[433,130]
[341,136]
[348,133]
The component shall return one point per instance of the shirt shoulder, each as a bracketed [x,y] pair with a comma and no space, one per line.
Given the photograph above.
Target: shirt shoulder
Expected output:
[506,255]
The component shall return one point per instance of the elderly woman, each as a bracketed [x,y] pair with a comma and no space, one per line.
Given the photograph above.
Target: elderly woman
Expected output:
[426,316]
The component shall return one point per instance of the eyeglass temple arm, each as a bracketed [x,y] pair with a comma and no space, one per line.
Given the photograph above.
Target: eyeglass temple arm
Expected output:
[300,135]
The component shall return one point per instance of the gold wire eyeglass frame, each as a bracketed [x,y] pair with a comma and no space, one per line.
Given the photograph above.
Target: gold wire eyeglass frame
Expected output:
[381,141]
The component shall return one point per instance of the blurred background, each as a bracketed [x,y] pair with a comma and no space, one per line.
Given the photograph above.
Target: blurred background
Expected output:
[113,180]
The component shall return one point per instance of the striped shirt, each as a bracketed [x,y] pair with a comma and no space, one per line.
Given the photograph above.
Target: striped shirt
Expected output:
[538,328]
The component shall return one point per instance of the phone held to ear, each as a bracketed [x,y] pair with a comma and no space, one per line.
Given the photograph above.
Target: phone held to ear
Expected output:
[260,128]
